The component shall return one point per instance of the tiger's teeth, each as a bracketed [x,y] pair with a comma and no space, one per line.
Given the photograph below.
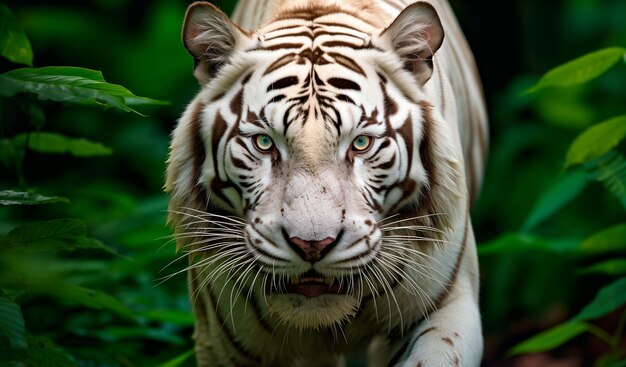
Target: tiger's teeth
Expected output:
[328,280]
[295,279]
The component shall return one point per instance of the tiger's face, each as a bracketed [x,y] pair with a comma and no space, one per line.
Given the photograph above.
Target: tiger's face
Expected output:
[312,147]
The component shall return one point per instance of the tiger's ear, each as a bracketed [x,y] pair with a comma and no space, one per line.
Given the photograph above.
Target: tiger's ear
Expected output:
[415,35]
[210,37]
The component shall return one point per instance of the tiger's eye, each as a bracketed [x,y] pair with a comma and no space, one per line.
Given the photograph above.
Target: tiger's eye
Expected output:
[263,142]
[362,143]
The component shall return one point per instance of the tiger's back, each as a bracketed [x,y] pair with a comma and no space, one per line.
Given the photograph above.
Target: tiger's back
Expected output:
[320,182]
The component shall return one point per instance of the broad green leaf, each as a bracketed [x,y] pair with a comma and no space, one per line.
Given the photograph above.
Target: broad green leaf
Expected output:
[53,143]
[608,267]
[80,295]
[581,69]
[53,235]
[514,242]
[42,352]
[26,275]
[550,338]
[14,45]
[68,84]
[608,299]
[617,364]
[178,361]
[557,196]
[606,241]
[596,141]
[610,170]
[9,197]
[143,101]
[12,323]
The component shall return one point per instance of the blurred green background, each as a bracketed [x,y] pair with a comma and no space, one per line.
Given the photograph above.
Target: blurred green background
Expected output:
[108,306]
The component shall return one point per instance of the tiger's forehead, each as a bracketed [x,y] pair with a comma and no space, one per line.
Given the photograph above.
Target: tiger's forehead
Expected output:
[314,83]
[310,69]
[318,26]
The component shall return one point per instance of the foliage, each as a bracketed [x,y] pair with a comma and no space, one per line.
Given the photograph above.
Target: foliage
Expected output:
[49,266]
[14,44]
[597,150]
[69,84]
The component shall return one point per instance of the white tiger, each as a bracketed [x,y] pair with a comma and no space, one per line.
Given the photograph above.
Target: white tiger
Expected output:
[320,182]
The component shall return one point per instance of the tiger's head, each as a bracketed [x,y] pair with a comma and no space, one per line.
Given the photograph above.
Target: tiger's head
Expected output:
[311,166]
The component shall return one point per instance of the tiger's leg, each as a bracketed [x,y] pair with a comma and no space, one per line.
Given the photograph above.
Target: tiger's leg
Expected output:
[452,335]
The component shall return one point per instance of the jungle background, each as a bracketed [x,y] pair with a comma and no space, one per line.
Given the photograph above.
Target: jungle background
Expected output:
[83,245]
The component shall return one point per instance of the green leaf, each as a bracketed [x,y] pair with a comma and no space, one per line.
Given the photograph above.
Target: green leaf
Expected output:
[596,141]
[610,170]
[606,241]
[53,235]
[33,275]
[550,338]
[177,361]
[53,143]
[68,84]
[580,70]
[608,299]
[9,197]
[44,353]
[512,242]
[82,296]
[557,196]
[49,235]
[608,267]
[14,45]
[12,323]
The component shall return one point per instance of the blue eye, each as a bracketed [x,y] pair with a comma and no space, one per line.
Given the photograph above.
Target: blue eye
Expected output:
[263,142]
[362,143]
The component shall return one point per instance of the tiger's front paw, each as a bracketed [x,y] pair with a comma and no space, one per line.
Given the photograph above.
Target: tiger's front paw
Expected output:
[435,348]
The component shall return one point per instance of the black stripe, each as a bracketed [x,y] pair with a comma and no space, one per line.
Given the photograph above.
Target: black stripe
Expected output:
[347,62]
[283,83]
[280,63]
[409,343]
[387,164]
[281,46]
[342,83]
[277,98]
[306,33]
[344,98]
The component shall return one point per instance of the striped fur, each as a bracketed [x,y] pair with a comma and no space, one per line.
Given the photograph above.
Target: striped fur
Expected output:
[304,248]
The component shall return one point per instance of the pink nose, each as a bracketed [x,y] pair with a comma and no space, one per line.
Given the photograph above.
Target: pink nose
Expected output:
[312,250]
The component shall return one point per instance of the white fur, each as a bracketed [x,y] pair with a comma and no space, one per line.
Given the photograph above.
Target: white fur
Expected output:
[315,194]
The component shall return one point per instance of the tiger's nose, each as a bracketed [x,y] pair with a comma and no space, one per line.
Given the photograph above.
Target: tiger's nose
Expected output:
[312,250]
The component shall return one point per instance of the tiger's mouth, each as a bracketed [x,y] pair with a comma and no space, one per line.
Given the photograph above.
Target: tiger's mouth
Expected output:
[310,284]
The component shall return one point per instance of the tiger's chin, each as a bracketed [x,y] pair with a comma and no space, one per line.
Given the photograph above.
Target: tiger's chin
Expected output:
[312,313]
